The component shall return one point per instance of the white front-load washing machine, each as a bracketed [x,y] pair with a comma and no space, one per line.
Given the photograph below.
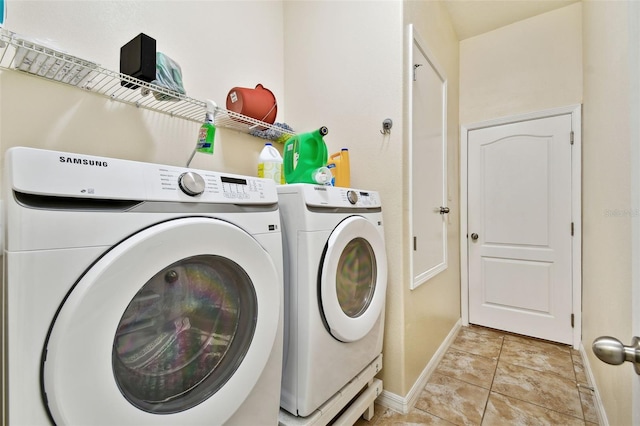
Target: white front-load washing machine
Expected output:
[335,290]
[139,294]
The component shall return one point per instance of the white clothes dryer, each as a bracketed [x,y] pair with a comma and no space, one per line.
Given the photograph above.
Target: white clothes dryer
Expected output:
[335,290]
[139,294]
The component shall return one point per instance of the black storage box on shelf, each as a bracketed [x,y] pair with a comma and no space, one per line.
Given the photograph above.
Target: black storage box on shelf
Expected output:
[138,59]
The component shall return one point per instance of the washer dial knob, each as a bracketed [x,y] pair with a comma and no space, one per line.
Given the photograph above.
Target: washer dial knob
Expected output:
[191,183]
[352,196]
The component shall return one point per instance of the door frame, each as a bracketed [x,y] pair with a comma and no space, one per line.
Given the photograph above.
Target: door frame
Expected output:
[634,32]
[576,206]
[414,39]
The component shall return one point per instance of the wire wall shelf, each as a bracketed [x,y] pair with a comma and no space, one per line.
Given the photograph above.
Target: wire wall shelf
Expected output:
[22,55]
[242,123]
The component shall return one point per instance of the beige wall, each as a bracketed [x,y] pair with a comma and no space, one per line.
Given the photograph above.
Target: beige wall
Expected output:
[531,65]
[432,310]
[608,217]
[42,114]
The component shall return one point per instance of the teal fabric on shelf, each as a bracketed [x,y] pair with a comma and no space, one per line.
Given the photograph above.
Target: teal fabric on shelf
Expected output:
[169,76]
[3,12]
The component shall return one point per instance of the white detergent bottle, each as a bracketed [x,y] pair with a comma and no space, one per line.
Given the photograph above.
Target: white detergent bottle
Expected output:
[270,164]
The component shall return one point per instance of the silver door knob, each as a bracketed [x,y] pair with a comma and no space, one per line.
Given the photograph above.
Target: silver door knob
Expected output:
[474,236]
[444,210]
[612,351]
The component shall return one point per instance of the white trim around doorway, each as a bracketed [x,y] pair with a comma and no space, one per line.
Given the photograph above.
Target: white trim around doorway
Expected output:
[576,206]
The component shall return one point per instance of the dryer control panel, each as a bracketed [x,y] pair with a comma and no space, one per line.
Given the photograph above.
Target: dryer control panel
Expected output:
[336,197]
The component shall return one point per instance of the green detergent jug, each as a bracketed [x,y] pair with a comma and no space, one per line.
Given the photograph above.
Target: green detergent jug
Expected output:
[305,158]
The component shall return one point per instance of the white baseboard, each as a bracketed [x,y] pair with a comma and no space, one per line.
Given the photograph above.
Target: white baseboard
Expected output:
[602,415]
[405,404]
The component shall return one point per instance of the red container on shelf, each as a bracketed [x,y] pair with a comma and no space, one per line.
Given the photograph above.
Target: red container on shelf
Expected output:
[258,103]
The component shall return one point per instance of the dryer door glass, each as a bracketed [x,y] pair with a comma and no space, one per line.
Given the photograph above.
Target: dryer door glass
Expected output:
[356,277]
[184,334]
[353,279]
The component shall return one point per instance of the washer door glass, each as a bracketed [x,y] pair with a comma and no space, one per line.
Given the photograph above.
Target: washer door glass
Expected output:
[189,326]
[356,277]
[353,279]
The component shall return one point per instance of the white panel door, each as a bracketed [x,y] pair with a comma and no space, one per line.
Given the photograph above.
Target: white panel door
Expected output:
[519,226]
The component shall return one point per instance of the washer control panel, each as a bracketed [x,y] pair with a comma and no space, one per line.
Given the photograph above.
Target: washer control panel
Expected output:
[86,176]
[209,186]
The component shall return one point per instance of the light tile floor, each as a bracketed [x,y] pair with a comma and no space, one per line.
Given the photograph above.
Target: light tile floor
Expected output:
[488,377]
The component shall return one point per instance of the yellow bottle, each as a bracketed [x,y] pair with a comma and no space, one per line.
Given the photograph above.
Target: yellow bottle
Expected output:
[339,166]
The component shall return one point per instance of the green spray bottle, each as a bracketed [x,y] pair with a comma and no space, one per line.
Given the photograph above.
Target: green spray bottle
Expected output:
[207,132]
[305,158]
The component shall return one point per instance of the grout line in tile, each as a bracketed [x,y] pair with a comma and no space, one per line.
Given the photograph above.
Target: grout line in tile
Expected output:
[495,371]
